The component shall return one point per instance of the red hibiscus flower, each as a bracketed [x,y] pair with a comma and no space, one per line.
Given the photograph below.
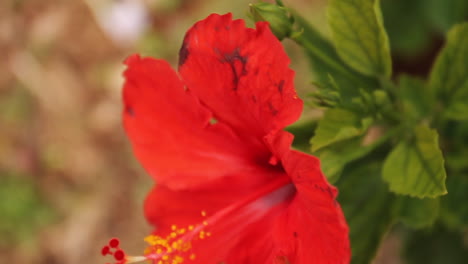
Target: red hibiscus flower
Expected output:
[229,187]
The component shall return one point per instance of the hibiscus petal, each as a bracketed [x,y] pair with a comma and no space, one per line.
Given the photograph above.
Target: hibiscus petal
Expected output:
[165,207]
[313,228]
[171,131]
[241,74]
[272,228]
[239,233]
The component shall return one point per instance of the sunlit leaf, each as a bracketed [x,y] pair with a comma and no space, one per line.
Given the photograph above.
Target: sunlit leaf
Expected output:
[415,167]
[359,35]
[335,157]
[337,125]
[449,76]
[333,77]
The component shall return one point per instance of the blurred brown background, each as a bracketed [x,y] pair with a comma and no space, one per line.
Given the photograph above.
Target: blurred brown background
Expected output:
[68,179]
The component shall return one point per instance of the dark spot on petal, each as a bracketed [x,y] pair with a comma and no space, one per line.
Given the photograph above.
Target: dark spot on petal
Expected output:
[227,27]
[295,234]
[231,58]
[254,99]
[217,51]
[273,110]
[183,53]
[280,86]
[129,111]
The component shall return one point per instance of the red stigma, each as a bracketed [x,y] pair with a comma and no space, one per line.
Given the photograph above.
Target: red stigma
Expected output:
[112,248]
[114,242]
[119,255]
[105,250]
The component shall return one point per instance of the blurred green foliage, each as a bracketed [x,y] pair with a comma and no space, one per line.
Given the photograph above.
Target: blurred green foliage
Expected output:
[22,209]
[393,81]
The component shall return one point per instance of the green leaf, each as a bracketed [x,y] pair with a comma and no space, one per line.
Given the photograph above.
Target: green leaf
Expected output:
[368,207]
[331,74]
[416,101]
[458,110]
[337,125]
[302,131]
[418,213]
[454,209]
[335,157]
[359,35]
[449,76]
[415,167]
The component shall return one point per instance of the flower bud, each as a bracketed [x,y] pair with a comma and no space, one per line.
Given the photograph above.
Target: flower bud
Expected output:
[281,24]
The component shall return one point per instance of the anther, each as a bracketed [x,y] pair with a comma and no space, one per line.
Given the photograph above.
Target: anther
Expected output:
[162,250]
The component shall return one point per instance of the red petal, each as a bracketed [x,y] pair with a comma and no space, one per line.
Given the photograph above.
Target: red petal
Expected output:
[165,207]
[310,228]
[313,229]
[240,218]
[241,74]
[171,132]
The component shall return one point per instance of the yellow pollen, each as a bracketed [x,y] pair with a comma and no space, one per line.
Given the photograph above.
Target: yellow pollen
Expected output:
[172,248]
[201,235]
